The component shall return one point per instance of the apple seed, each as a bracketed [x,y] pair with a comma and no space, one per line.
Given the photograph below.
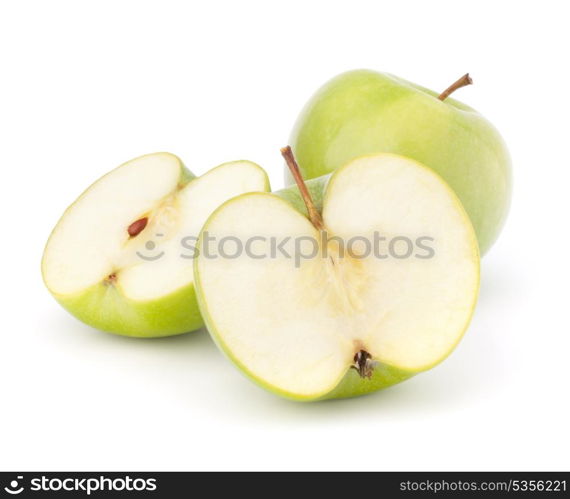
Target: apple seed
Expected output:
[137,227]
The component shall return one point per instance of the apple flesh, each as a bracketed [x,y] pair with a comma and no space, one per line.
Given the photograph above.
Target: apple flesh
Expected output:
[365,112]
[340,324]
[119,258]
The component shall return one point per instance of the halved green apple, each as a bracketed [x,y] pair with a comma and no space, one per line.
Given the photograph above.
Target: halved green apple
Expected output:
[120,257]
[341,321]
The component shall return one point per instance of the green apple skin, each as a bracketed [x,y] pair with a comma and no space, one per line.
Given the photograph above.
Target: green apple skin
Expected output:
[105,308]
[364,112]
[316,187]
[351,384]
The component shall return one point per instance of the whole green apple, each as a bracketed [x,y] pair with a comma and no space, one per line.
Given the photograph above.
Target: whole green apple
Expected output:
[365,112]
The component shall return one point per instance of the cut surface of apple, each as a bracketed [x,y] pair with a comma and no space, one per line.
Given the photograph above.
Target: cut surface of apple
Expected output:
[342,323]
[120,258]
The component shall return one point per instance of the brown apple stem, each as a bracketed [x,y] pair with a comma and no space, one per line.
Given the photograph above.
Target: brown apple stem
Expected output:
[462,82]
[314,215]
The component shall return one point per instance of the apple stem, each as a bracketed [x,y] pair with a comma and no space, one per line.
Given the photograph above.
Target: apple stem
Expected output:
[314,215]
[462,82]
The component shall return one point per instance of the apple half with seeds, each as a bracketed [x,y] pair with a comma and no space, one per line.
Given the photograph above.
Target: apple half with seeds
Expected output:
[340,321]
[120,257]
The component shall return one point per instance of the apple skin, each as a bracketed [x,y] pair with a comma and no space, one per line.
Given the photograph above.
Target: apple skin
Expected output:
[350,384]
[364,112]
[104,307]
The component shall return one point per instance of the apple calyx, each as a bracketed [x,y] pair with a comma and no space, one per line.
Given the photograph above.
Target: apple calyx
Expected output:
[110,279]
[461,82]
[314,215]
[363,362]
[137,227]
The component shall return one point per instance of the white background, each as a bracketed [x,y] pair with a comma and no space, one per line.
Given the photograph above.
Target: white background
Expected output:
[85,86]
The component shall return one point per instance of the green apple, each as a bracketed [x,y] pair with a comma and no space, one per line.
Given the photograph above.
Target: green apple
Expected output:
[342,320]
[120,257]
[364,112]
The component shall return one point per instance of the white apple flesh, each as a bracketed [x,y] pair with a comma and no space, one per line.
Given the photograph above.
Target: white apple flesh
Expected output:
[117,260]
[340,325]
